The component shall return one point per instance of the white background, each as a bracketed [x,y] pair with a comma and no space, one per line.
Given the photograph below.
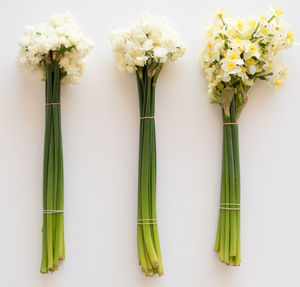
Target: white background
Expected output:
[100,134]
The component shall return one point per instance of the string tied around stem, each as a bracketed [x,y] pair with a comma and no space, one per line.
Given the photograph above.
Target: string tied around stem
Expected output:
[147,117]
[226,206]
[52,211]
[52,104]
[146,221]
[230,124]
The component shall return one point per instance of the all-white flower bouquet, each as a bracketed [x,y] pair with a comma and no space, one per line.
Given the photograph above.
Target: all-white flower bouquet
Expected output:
[144,49]
[56,50]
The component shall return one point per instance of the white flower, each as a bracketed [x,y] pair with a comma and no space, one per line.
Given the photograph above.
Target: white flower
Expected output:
[278,76]
[220,12]
[62,37]
[230,67]
[151,38]
[240,25]
[240,50]
[234,56]
[160,54]
[224,75]
[148,45]
[251,66]
[276,11]
[251,50]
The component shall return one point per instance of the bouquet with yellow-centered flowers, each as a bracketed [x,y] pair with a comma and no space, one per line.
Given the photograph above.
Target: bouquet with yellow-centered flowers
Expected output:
[238,52]
[144,49]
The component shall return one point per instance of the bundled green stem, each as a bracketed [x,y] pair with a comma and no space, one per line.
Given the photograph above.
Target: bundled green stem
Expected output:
[53,248]
[228,235]
[147,232]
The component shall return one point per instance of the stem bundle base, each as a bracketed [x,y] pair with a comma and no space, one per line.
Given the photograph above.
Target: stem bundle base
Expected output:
[228,233]
[147,231]
[53,246]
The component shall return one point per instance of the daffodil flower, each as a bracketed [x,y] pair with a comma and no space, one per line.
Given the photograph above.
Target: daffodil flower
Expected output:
[238,54]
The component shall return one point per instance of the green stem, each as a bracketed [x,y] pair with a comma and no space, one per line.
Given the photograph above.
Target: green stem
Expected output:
[228,234]
[220,230]
[227,196]
[148,241]
[232,250]
[61,188]
[49,180]
[53,225]
[56,196]
[223,197]
[153,185]
[48,117]
[50,200]
[141,247]
[145,186]
[235,136]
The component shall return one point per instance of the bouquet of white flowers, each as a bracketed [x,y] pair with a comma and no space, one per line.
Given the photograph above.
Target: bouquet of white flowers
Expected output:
[56,50]
[144,49]
[237,53]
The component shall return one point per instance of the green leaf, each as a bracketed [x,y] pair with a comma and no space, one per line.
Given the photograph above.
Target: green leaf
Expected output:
[64,49]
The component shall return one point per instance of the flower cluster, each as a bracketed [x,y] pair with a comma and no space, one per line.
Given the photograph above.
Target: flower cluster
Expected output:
[151,39]
[59,40]
[240,51]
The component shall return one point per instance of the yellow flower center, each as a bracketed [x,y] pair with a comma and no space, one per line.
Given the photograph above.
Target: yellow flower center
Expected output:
[278,83]
[290,36]
[229,32]
[252,23]
[208,45]
[264,30]
[230,66]
[274,52]
[250,62]
[237,37]
[222,72]
[239,25]
[244,69]
[248,36]
[252,48]
[278,12]
[239,41]
[209,54]
[233,56]
[270,65]
[263,18]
